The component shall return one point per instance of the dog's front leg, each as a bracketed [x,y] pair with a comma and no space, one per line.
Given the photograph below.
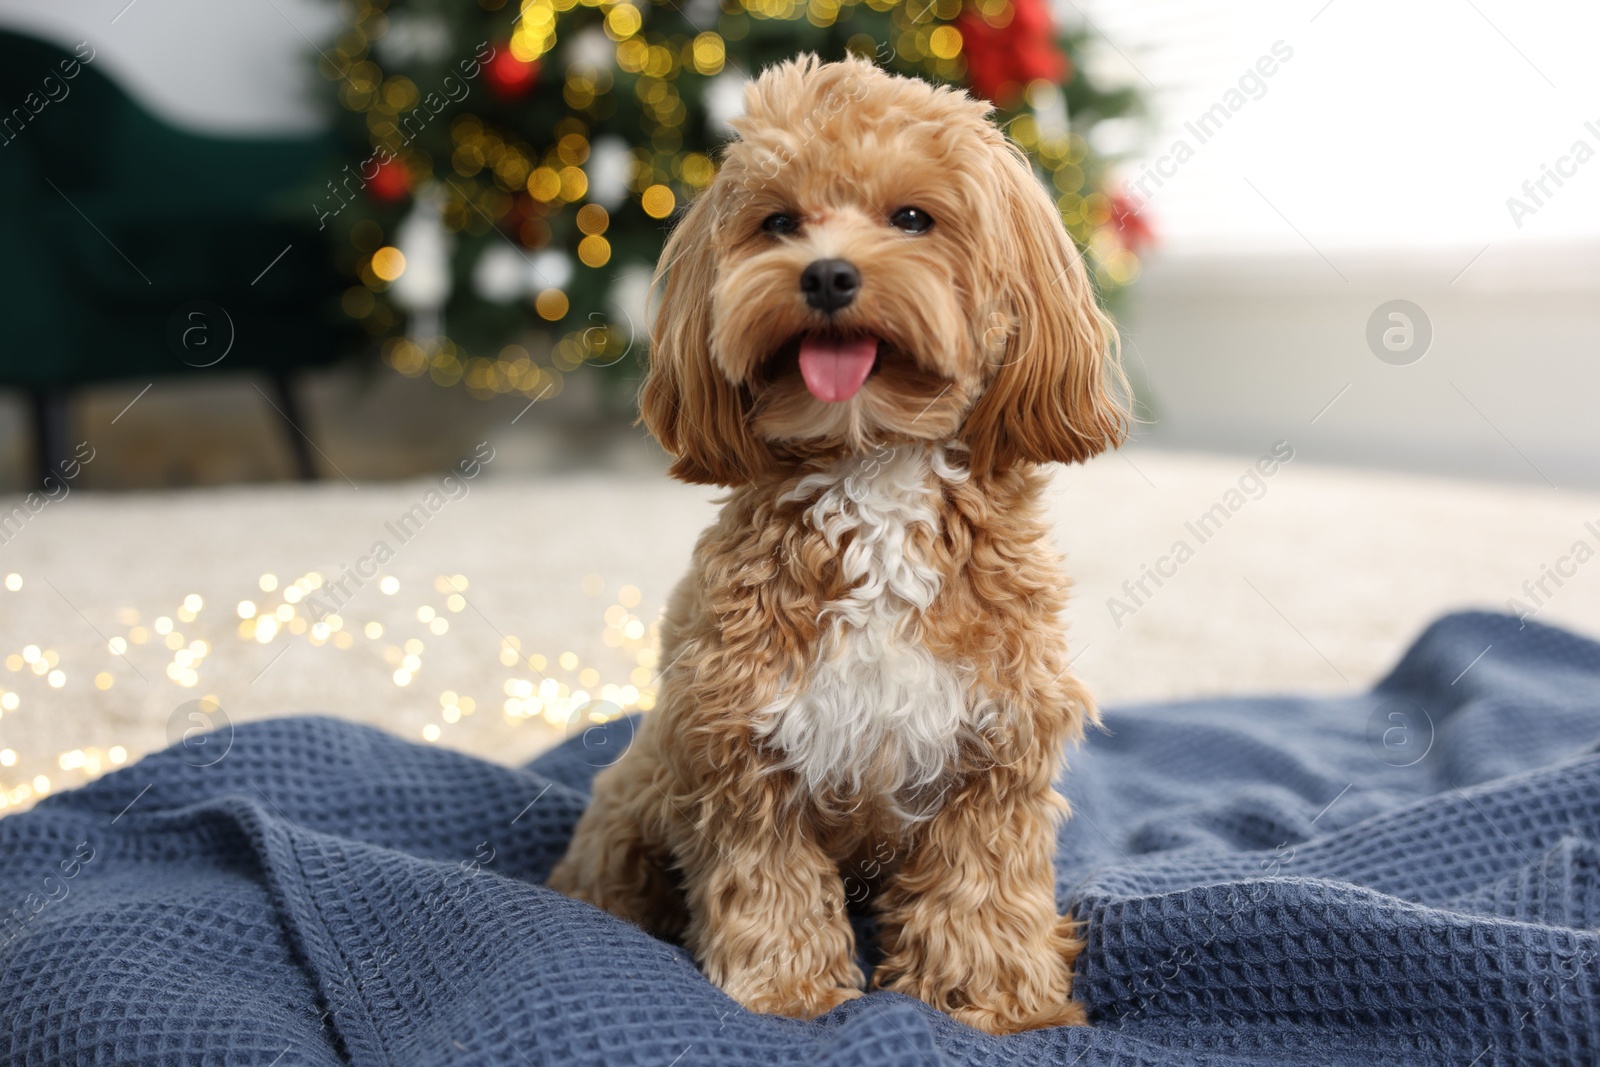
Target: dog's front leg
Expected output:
[969,922]
[768,916]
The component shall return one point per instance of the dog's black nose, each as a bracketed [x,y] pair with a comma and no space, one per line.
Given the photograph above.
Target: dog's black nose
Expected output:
[830,284]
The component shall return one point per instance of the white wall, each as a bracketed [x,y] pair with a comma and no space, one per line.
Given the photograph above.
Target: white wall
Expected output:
[218,65]
[1391,124]
[1237,352]
[1374,163]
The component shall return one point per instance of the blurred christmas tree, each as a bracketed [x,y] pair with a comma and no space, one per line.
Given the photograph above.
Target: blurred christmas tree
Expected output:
[519,166]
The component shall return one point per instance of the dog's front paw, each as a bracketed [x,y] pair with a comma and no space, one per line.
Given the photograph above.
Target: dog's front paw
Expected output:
[1025,987]
[1005,1019]
[801,1001]
[992,1010]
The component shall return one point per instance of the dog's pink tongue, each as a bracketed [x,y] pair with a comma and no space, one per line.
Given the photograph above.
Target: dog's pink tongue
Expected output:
[834,370]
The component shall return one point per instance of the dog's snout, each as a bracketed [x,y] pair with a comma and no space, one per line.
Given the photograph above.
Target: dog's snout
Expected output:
[830,284]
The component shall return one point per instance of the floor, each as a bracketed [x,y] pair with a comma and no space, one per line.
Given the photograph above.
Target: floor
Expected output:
[497,613]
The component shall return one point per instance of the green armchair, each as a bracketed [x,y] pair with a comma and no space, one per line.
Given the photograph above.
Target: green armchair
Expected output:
[130,249]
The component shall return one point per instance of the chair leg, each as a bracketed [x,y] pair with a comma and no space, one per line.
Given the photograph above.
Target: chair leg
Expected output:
[299,444]
[52,426]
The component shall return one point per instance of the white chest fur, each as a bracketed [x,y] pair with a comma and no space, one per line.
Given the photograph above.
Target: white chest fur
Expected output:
[875,707]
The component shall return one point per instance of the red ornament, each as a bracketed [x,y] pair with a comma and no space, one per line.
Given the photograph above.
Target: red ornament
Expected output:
[1128,221]
[1002,60]
[391,181]
[508,76]
[525,219]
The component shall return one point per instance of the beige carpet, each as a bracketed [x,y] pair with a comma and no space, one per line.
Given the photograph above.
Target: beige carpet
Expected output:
[1315,581]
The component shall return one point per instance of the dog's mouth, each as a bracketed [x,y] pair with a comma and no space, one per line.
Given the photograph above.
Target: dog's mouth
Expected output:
[834,366]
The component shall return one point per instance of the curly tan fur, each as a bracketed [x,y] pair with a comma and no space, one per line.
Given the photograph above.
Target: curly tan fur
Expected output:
[867,691]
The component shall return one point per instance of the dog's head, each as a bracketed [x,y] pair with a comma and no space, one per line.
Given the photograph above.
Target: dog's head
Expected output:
[874,263]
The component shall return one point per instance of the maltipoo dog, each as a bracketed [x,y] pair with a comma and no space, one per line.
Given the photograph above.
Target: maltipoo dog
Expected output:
[874,329]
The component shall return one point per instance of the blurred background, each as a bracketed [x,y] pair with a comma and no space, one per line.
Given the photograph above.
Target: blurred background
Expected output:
[324,323]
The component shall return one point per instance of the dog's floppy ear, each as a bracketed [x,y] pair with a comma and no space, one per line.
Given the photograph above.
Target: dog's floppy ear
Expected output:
[687,403]
[1055,395]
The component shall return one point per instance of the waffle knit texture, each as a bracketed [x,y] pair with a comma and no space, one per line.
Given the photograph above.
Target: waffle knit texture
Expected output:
[1409,876]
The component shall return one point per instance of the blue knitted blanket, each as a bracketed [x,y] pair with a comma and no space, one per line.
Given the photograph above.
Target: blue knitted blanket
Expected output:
[1409,876]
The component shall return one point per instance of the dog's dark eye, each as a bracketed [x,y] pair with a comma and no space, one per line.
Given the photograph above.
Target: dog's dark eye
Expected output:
[911,220]
[779,224]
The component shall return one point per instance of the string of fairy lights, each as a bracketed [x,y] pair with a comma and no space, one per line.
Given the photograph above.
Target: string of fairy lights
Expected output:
[528,688]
